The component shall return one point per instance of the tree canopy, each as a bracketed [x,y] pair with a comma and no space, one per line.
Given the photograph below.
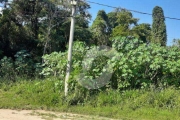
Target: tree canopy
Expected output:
[100,29]
[159,34]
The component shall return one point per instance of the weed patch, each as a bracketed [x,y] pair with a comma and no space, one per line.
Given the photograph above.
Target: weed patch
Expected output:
[126,105]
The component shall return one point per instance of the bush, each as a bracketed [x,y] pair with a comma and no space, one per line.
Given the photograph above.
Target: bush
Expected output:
[140,65]
[134,63]
[24,64]
[7,70]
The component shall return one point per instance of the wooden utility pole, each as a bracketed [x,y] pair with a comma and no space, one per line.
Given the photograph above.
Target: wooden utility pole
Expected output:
[71,37]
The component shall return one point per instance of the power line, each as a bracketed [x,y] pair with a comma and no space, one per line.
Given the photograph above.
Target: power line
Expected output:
[135,11]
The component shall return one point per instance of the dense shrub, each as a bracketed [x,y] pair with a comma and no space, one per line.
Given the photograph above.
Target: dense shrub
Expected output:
[140,65]
[133,63]
[7,70]
[21,66]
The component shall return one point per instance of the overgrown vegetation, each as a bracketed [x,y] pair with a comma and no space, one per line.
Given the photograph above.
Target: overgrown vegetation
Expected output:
[143,74]
[149,104]
[144,83]
[134,63]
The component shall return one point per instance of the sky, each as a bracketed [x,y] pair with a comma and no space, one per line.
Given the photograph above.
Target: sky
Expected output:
[171,8]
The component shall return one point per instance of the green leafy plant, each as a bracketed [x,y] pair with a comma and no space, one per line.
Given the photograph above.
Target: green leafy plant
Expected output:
[24,64]
[140,65]
[7,70]
[54,64]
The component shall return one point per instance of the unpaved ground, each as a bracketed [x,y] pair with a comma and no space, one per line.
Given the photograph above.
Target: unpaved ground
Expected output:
[43,115]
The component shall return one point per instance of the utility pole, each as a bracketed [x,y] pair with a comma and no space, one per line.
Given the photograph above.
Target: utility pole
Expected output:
[68,70]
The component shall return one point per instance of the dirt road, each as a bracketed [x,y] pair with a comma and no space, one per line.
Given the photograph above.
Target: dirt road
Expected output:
[43,115]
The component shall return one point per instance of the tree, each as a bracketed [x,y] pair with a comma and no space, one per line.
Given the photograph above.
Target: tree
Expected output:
[123,24]
[82,31]
[100,29]
[112,17]
[40,27]
[50,34]
[159,34]
[14,36]
[176,42]
[142,32]
[55,27]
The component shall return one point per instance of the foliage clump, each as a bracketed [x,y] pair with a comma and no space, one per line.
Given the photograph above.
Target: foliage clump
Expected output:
[159,34]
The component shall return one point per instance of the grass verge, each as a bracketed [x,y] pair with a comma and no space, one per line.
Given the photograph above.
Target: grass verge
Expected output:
[127,105]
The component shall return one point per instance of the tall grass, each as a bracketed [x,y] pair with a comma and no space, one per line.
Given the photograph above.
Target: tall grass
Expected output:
[151,104]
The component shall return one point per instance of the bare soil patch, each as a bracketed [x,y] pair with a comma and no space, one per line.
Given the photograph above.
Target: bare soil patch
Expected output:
[6,114]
